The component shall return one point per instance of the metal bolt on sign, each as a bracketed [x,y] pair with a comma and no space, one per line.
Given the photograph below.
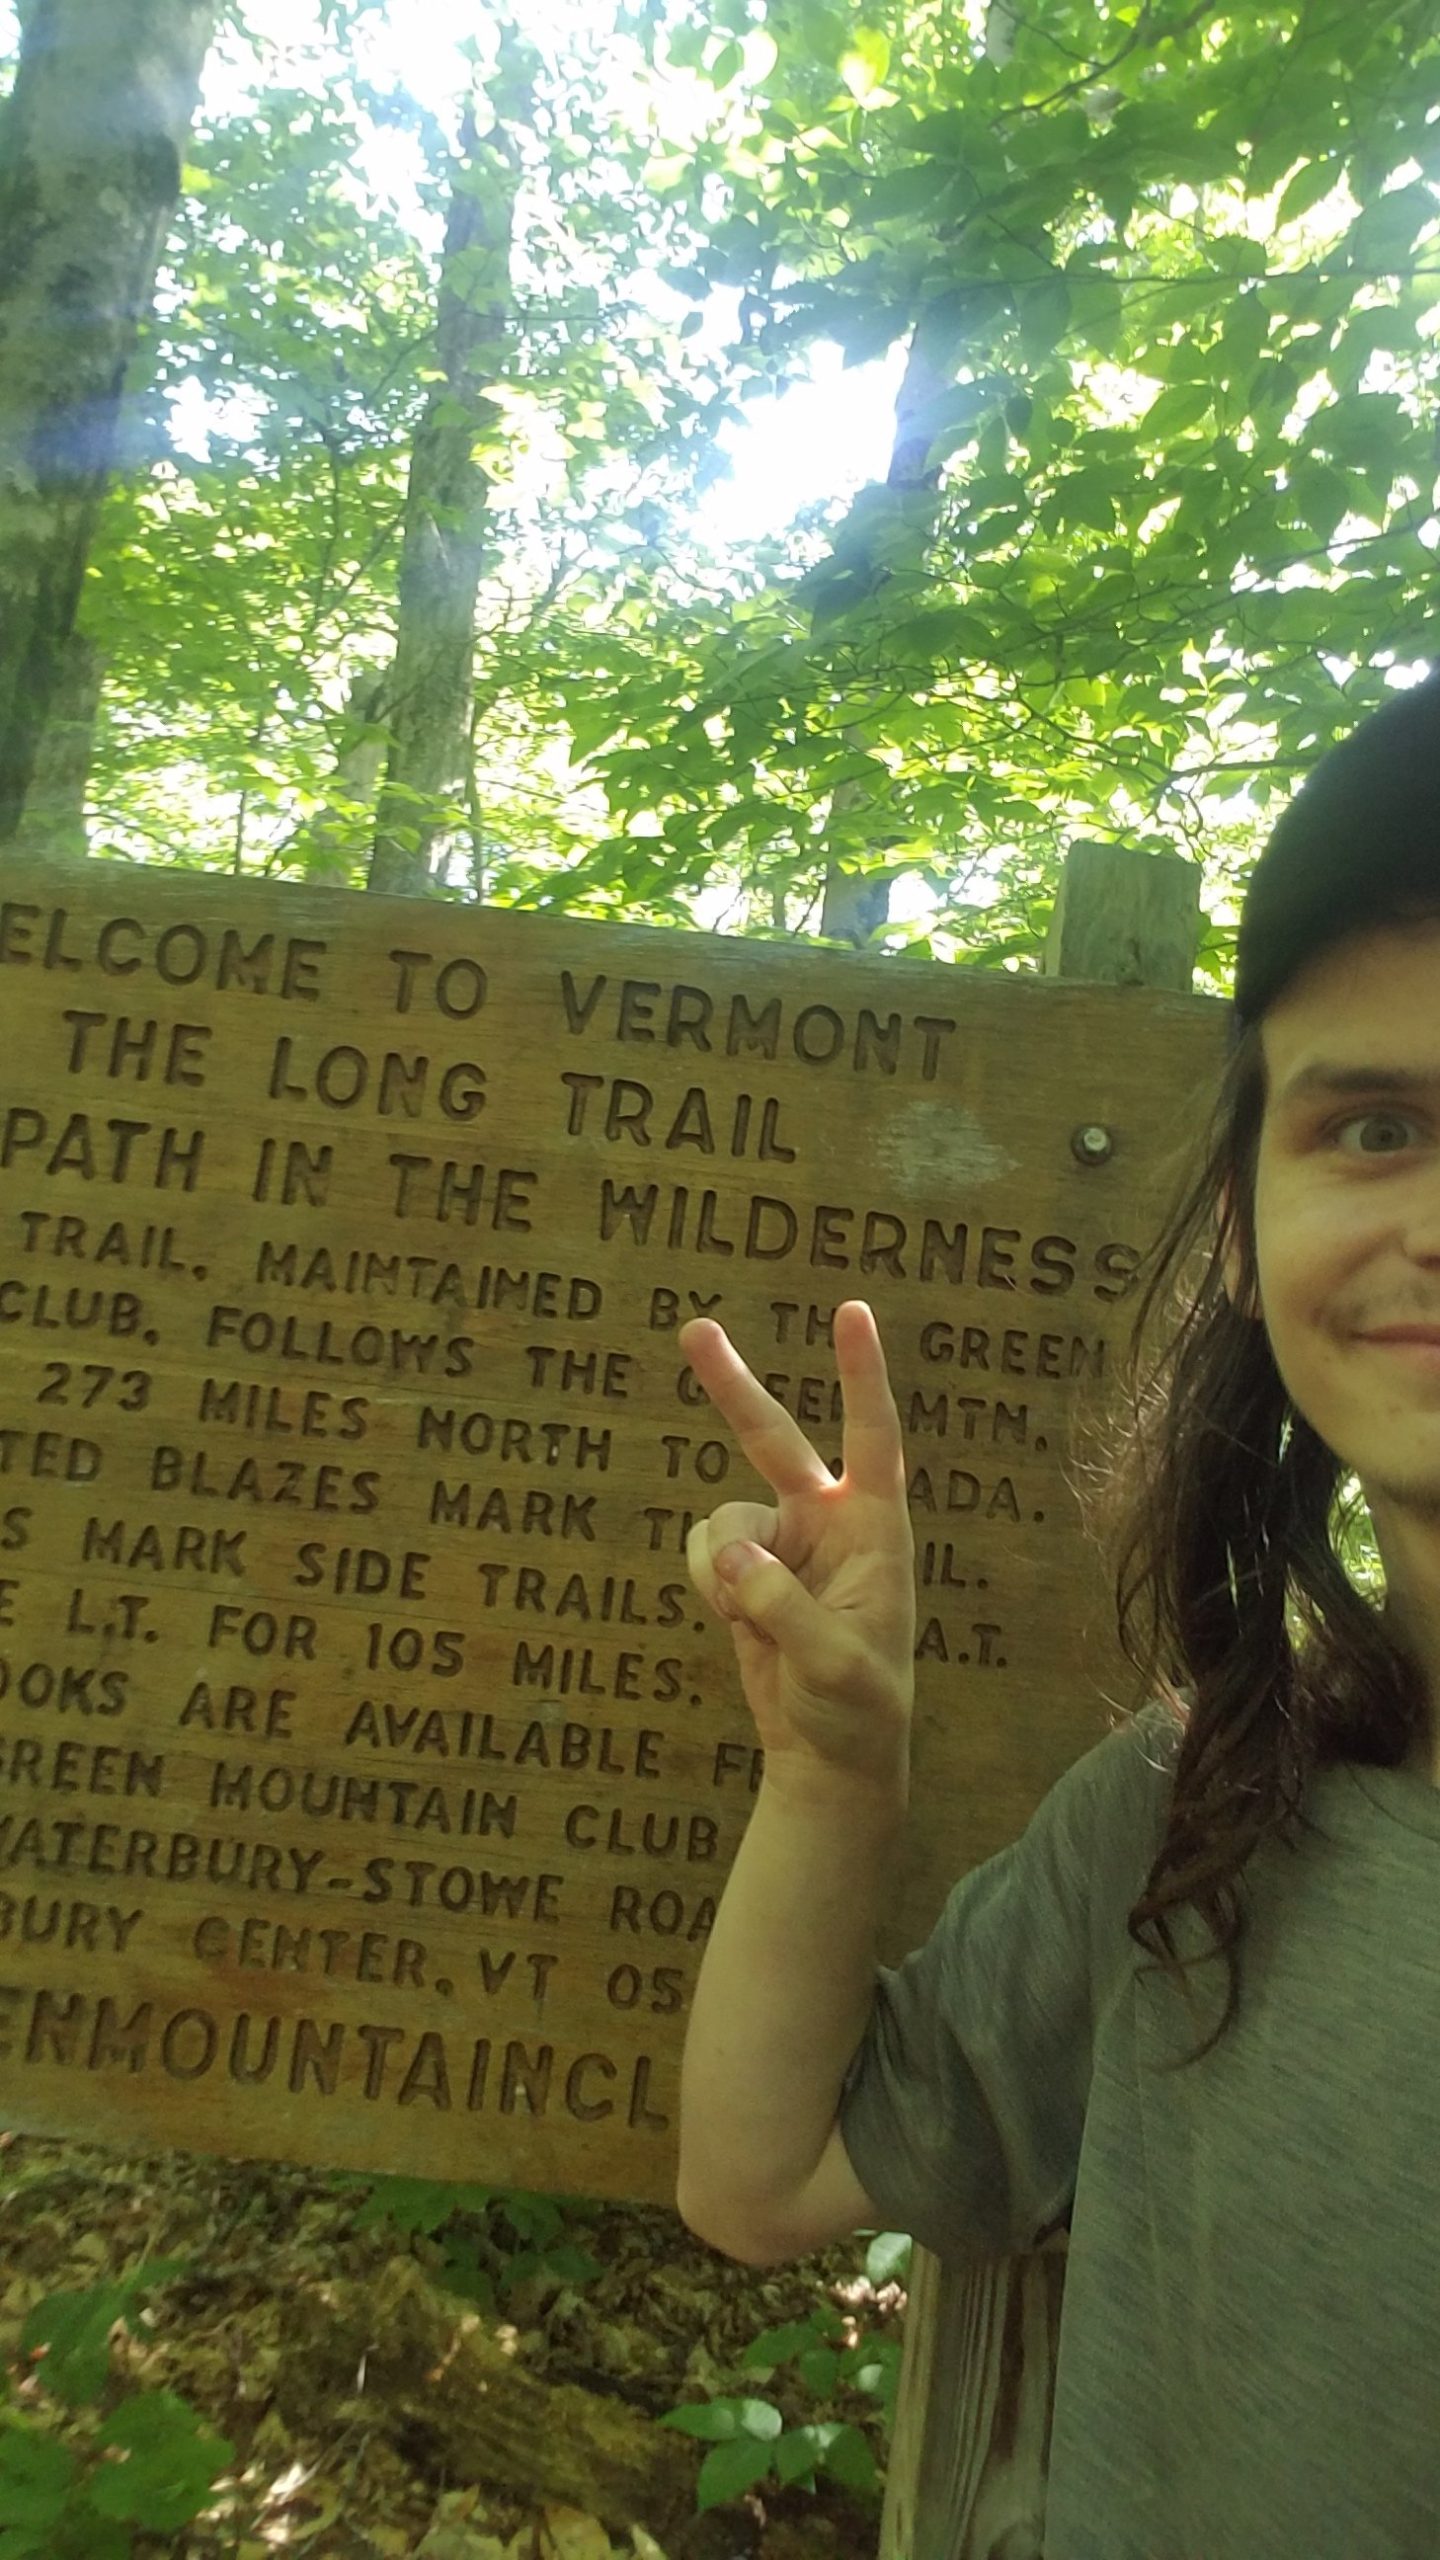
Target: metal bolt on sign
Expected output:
[1092,1144]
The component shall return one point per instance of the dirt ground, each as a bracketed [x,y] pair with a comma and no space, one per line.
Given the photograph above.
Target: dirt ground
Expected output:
[350,2473]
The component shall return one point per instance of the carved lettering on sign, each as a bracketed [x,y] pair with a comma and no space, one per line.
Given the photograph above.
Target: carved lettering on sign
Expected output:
[369,1769]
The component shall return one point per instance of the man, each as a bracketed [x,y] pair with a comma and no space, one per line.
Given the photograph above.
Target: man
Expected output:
[1250,2356]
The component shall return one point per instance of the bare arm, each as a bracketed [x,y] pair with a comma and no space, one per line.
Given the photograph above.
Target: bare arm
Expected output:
[820,1595]
[782,2002]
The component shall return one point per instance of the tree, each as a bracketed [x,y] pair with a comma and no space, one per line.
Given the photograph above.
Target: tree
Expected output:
[243,581]
[1185,516]
[429,698]
[857,906]
[1158,514]
[248,587]
[90,143]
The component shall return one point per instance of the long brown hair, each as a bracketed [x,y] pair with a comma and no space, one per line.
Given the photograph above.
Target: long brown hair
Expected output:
[1221,1508]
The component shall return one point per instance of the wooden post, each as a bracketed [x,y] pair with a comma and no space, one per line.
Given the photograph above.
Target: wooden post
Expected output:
[970,2456]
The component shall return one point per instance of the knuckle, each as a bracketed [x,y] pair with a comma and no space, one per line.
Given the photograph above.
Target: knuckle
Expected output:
[732,1520]
[698,1563]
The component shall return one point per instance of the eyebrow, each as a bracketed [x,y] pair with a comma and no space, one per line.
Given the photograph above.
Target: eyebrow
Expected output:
[1328,1076]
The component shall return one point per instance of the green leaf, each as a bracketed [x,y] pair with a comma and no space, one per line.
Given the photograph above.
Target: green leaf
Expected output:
[1182,406]
[955,631]
[1086,498]
[865,2367]
[759,2418]
[36,2476]
[1055,140]
[900,194]
[1246,328]
[88,2536]
[729,2469]
[887,2260]
[819,2370]
[1307,187]
[718,2421]
[1320,495]
[74,2329]
[864,65]
[1367,429]
[776,2346]
[944,136]
[713,2421]
[1044,307]
[992,452]
[172,2466]
[1365,332]
[537,2219]
[418,2204]
[1384,233]
[1036,436]
[796,2455]
[849,2457]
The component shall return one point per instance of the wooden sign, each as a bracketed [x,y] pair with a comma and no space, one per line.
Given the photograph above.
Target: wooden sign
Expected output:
[368,1770]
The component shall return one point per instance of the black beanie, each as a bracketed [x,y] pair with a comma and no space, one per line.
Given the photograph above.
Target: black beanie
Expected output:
[1362,832]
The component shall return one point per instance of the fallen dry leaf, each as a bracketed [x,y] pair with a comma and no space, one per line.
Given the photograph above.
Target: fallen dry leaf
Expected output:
[458,2542]
[451,2535]
[660,2323]
[568,2534]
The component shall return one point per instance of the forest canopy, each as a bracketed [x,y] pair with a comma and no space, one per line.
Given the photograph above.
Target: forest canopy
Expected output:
[410,553]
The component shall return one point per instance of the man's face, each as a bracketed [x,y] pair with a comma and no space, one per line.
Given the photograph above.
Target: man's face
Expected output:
[1347,1205]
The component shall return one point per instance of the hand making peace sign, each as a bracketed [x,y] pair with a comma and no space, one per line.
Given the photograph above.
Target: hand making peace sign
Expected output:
[820,1590]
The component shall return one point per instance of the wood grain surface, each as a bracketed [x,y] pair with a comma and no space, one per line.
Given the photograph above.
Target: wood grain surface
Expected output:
[368,1772]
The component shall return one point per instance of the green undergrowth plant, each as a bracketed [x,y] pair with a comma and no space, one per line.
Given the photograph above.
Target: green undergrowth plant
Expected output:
[492,2240]
[76,2491]
[750,2442]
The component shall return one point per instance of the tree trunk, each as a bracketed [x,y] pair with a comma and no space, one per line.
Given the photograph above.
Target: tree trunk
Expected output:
[337,835]
[428,691]
[857,903]
[90,150]
[436,2380]
[52,821]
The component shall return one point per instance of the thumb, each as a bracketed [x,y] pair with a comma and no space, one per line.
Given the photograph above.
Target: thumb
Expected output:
[733,1521]
[766,1599]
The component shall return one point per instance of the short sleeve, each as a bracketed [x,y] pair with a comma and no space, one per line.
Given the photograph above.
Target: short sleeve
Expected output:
[963,2109]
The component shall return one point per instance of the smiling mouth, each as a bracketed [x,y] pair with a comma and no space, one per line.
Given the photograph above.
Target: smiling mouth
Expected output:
[1421,1350]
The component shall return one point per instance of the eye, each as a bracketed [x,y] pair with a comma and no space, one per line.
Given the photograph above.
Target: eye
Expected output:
[1371,1120]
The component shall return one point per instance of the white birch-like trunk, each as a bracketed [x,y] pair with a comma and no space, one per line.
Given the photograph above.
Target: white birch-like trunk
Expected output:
[857,904]
[428,691]
[91,140]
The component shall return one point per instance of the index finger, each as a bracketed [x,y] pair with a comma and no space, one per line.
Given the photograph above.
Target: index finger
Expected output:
[872,1448]
[771,1438]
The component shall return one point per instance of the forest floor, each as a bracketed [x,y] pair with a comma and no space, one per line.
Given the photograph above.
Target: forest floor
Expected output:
[345,2455]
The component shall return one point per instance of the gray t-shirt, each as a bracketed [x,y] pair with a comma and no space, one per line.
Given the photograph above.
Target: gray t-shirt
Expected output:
[1249,2355]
